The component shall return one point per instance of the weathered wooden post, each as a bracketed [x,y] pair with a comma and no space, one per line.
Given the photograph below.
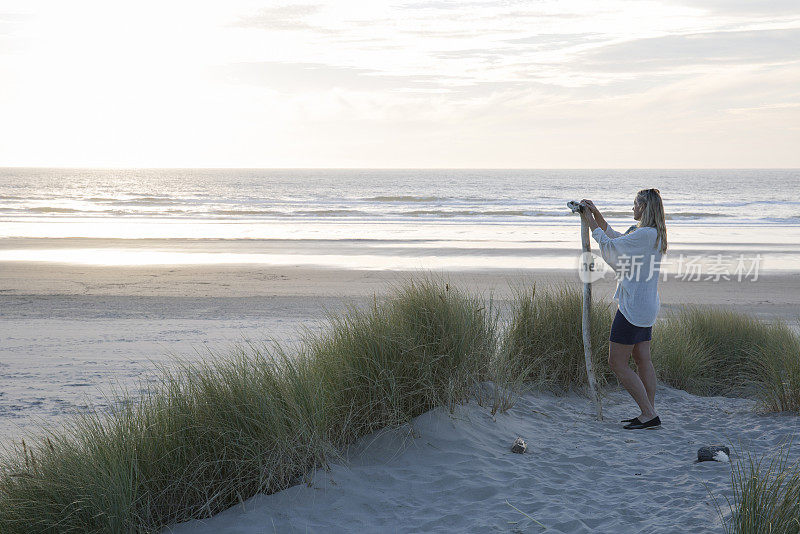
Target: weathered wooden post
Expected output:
[586,269]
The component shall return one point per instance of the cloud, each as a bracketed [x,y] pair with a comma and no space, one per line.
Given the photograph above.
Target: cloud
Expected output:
[291,77]
[14,17]
[291,17]
[11,25]
[445,5]
[557,39]
[485,54]
[712,48]
[745,7]
[521,46]
[490,9]
[12,22]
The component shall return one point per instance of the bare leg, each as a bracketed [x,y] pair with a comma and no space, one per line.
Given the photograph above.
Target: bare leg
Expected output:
[645,369]
[618,356]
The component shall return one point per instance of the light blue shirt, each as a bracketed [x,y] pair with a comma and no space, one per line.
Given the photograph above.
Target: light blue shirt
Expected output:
[636,260]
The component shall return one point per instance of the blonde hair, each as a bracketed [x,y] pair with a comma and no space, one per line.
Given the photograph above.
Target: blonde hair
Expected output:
[653,214]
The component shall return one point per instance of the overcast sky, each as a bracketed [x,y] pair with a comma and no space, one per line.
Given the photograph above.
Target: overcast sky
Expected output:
[532,84]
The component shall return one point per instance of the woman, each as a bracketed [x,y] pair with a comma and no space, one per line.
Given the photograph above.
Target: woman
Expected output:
[635,258]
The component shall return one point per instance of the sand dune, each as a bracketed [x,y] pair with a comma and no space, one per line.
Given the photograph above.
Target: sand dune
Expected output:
[455,473]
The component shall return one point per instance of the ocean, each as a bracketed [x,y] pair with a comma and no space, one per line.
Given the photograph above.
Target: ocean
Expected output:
[519,196]
[378,219]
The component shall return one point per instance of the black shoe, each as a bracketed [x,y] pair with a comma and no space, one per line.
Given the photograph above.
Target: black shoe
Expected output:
[652,423]
[634,420]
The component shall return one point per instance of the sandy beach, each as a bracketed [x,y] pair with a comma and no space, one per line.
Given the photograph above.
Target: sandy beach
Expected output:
[773,294]
[70,332]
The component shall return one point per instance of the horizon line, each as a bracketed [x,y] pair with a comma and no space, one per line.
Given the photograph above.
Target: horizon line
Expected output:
[68,167]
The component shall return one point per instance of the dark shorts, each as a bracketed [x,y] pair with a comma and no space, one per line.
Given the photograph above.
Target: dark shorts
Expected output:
[627,334]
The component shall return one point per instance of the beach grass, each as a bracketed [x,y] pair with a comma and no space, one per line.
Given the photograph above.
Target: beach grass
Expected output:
[543,338]
[779,376]
[703,350]
[766,495]
[709,351]
[212,434]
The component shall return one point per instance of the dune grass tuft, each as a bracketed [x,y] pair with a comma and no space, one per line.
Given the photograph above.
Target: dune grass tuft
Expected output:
[212,434]
[543,339]
[778,375]
[766,495]
[425,347]
[710,351]
[705,351]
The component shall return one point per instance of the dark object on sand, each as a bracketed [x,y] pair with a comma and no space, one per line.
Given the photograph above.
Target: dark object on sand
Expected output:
[706,454]
[655,422]
[519,446]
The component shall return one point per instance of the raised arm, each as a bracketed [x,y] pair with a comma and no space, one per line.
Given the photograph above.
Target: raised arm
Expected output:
[611,248]
[599,219]
[601,222]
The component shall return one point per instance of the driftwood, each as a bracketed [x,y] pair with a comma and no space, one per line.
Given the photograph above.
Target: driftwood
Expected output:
[576,207]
